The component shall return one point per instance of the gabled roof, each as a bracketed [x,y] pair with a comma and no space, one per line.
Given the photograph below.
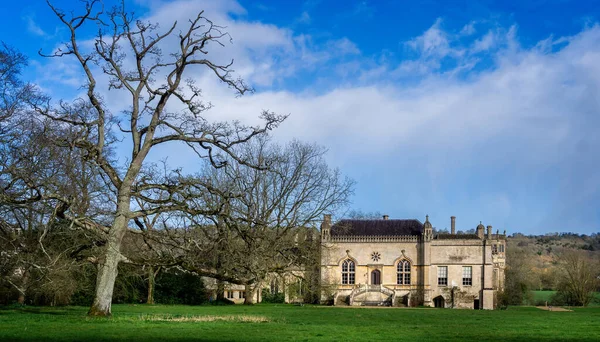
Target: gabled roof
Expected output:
[377,227]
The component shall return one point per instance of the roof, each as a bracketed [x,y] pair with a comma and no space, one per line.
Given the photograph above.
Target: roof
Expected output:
[457,237]
[377,227]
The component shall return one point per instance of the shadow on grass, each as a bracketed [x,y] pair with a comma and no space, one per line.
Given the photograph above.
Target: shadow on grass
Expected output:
[8,310]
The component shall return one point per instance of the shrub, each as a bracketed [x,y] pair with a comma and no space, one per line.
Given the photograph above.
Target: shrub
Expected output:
[268,297]
[179,287]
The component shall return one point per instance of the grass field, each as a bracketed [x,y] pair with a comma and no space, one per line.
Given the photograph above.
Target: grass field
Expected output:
[295,323]
[542,296]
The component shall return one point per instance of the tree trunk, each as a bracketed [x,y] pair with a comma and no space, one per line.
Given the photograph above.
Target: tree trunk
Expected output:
[151,282]
[220,291]
[108,270]
[23,288]
[255,295]
[150,299]
[249,299]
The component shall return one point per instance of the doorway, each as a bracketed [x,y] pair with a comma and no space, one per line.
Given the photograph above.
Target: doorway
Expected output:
[439,302]
[476,304]
[376,277]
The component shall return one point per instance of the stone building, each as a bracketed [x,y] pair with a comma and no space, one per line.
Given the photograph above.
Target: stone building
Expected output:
[289,284]
[403,263]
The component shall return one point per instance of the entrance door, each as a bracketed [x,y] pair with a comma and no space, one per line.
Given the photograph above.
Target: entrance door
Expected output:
[439,302]
[476,304]
[376,277]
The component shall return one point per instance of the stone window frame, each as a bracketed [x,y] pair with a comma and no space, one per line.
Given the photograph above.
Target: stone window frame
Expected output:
[467,275]
[348,272]
[230,295]
[403,272]
[442,272]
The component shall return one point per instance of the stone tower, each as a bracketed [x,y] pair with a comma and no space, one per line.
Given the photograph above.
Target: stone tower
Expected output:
[326,228]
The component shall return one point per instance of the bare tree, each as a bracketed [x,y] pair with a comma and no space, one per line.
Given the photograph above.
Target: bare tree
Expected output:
[30,165]
[519,279]
[129,52]
[266,225]
[578,277]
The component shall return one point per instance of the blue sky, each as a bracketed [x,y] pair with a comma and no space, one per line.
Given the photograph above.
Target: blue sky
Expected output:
[486,110]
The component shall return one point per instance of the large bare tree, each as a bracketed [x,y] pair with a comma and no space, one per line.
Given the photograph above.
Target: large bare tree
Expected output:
[578,277]
[266,225]
[163,107]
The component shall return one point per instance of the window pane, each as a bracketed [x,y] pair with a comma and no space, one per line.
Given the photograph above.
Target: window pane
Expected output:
[443,275]
[345,266]
[406,266]
[351,278]
[407,279]
[351,266]
[467,276]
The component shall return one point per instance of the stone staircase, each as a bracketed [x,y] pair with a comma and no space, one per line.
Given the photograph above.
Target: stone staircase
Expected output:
[371,295]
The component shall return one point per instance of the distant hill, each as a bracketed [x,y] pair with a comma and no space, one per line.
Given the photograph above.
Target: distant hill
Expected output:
[542,252]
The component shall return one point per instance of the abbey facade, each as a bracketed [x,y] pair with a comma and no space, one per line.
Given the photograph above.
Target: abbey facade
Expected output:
[403,263]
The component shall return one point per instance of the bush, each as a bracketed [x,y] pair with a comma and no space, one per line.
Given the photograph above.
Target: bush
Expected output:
[179,287]
[561,298]
[130,285]
[268,297]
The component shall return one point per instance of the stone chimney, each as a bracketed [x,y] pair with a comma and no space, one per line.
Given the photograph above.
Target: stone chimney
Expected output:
[427,229]
[386,217]
[453,225]
[326,227]
[480,231]
[489,232]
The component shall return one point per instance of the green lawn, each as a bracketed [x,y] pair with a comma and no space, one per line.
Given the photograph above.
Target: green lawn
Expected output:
[540,296]
[295,323]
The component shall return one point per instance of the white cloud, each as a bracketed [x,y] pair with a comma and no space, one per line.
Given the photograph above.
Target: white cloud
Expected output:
[484,43]
[33,27]
[434,43]
[304,18]
[531,110]
[468,29]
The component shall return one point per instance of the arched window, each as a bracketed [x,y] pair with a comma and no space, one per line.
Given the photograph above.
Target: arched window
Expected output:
[348,272]
[403,275]
[274,287]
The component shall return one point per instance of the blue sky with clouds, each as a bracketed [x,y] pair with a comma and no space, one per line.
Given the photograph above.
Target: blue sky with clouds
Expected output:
[486,110]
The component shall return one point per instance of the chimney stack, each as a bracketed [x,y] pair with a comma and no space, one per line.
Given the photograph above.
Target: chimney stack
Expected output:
[453,225]
[480,231]
[386,217]
[489,232]
[325,227]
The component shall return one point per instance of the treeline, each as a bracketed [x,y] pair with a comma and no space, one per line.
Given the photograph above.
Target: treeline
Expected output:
[567,263]
[76,287]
